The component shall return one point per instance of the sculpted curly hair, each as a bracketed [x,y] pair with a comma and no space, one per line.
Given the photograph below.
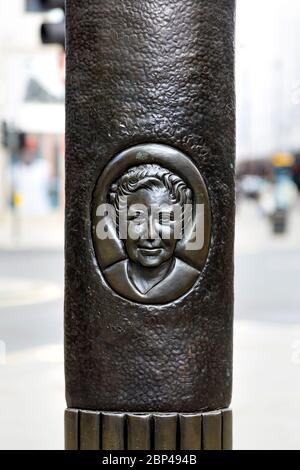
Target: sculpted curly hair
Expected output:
[146,177]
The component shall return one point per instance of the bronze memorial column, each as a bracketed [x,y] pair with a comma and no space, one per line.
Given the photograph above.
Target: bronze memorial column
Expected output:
[150,152]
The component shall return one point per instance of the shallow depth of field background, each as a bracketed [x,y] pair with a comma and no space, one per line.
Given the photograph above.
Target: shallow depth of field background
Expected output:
[266,401]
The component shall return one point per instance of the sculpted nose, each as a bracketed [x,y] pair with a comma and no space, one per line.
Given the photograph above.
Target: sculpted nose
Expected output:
[151,229]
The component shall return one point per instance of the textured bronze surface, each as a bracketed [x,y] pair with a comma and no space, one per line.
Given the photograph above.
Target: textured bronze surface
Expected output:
[162,72]
[151,431]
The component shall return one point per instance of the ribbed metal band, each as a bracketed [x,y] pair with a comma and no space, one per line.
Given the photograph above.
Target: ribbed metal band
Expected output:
[95,430]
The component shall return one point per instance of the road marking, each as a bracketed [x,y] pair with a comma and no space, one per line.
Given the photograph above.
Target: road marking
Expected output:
[15,292]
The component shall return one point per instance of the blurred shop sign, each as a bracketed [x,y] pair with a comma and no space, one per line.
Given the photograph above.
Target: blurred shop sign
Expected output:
[283,160]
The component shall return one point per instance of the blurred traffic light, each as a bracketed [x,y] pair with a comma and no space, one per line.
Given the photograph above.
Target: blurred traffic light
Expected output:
[49,4]
[12,139]
[34,6]
[51,33]
[43,5]
[20,142]
[4,134]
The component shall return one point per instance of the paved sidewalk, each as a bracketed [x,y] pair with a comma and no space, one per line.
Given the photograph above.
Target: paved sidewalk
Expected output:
[266,401]
[32,400]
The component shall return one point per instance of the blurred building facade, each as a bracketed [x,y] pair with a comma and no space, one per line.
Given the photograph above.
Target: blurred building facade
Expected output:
[31,113]
[268,77]
[32,94]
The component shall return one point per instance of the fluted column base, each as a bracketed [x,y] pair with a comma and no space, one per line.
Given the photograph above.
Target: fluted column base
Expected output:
[96,430]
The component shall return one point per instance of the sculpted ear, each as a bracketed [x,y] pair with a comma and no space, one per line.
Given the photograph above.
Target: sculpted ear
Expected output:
[109,248]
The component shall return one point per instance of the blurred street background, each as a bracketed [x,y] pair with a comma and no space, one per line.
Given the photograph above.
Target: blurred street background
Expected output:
[266,401]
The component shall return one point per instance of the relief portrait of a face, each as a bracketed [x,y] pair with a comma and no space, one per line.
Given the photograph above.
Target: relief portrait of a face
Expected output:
[147,257]
[151,270]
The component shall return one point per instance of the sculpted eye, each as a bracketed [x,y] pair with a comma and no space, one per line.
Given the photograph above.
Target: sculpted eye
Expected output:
[136,216]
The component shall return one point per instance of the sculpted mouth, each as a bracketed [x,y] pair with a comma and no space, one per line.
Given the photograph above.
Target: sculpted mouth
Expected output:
[150,251]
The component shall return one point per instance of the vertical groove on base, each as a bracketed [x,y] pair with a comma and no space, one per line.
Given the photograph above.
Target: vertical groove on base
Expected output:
[89,424]
[190,427]
[139,431]
[71,429]
[227,443]
[165,431]
[212,431]
[113,431]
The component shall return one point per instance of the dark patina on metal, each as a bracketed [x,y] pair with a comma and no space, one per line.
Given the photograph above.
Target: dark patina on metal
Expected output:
[158,73]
